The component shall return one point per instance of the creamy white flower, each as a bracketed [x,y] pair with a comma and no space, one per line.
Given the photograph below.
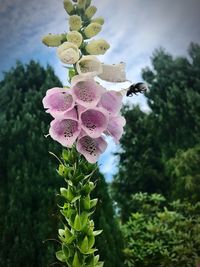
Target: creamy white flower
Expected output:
[97,47]
[113,73]
[75,37]
[68,53]
[92,29]
[89,64]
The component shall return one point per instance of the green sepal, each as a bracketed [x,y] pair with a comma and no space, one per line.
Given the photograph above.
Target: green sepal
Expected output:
[80,221]
[91,241]
[76,261]
[84,245]
[65,250]
[91,251]
[62,170]
[97,232]
[60,256]
[77,223]
[88,187]
[96,259]
[99,264]
[75,199]
[93,202]
[86,203]
[67,193]
[66,236]
[71,73]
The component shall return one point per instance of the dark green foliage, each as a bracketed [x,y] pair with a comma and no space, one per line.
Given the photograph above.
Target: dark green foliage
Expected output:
[184,171]
[152,139]
[28,179]
[161,237]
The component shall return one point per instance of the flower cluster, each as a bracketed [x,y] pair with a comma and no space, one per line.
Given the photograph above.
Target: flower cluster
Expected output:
[84,113]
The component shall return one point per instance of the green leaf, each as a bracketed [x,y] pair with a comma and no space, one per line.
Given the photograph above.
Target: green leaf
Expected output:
[60,256]
[76,261]
[77,223]
[98,232]
[84,246]
[93,202]
[71,73]
[75,199]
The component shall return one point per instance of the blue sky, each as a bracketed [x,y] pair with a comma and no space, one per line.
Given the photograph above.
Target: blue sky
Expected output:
[134,28]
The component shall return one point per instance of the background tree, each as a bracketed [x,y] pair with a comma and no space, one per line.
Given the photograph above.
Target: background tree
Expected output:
[28,186]
[152,139]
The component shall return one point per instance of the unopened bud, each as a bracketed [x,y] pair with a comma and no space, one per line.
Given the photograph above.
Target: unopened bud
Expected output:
[97,47]
[90,11]
[68,53]
[68,6]
[89,64]
[99,20]
[81,4]
[75,37]
[88,3]
[53,40]
[75,23]
[92,29]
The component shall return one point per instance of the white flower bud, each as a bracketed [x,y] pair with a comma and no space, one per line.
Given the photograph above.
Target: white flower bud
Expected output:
[75,22]
[90,11]
[99,20]
[75,37]
[89,65]
[68,53]
[68,6]
[81,4]
[88,2]
[92,29]
[53,40]
[113,73]
[97,47]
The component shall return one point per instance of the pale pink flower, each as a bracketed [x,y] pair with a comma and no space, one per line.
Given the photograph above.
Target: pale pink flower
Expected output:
[111,101]
[94,121]
[86,91]
[115,127]
[65,129]
[58,101]
[91,148]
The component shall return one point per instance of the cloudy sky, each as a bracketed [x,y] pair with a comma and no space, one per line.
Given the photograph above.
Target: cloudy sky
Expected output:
[134,28]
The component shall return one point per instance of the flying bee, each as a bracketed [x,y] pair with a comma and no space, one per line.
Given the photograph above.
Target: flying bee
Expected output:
[136,88]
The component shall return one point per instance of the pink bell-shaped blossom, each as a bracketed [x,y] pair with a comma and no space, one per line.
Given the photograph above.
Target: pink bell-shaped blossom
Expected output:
[65,129]
[86,91]
[94,121]
[91,148]
[115,127]
[111,101]
[58,101]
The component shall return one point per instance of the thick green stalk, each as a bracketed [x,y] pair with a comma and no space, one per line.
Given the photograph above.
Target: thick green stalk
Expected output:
[77,237]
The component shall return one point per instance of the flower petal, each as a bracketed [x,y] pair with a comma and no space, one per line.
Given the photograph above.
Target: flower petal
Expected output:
[91,148]
[86,92]
[113,73]
[65,130]
[115,127]
[89,64]
[68,53]
[111,101]
[58,101]
[94,121]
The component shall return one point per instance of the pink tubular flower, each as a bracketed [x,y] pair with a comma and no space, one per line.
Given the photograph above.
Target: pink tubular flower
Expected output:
[115,127]
[86,91]
[94,121]
[58,101]
[91,148]
[111,101]
[65,130]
